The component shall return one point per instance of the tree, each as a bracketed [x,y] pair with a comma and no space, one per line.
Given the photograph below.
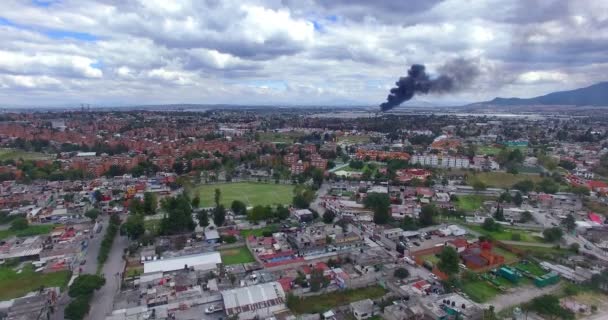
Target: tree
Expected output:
[574,247]
[448,261]
[490,225]
[238,207]
[548,306]
[380,205]
[505,197]
[553,234]
[219,215]
[78,308]
[196,201]
[427,215]
[85,284]
[179,215]
[401,273]
[499,215]
[150,203]
[217,197]
[525,217]
[92,214]
[281,212]
[479,185]
[489,314]
[409,223]
[134,226]
[259,213]
[524,186]
[203,218]
[569,222]
[20,223]
[328,216]
[317,280]
[518,199]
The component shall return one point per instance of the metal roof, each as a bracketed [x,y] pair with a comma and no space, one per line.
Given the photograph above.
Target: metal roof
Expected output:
[254,297]
[207,259]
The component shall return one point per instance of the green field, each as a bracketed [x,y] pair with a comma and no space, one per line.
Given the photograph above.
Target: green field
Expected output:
[544,252]
[532,267]
[501,179]
[250,193]
[509,256]
[236,256]
[431,258]
[506,234]
[324,302]
[354,139]
[31,230]
[494,150]
[479,290]
[14,154]
[258,232]
[471,202]
[15,284]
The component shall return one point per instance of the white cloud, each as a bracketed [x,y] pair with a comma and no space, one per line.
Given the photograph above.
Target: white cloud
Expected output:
[542,76]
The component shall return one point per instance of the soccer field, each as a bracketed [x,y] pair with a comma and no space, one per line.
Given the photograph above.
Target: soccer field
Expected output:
[250,193]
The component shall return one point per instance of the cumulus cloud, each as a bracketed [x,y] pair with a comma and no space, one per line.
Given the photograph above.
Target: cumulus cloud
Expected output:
[285,51]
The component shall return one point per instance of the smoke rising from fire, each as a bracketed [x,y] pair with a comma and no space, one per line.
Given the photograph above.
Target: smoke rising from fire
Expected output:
[453,76]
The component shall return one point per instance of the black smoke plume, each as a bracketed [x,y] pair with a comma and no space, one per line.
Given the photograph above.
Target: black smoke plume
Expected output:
[454,75]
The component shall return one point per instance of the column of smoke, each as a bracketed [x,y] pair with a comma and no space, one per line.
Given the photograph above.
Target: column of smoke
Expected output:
[453,76]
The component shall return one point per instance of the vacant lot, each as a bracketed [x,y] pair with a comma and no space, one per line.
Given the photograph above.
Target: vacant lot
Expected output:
[31,230]
[501,179]
[250,193]
[14,154]
[471,202]
[236,256]
[324,302]
[15,284]
[479,290]
[354,139]
[507,234]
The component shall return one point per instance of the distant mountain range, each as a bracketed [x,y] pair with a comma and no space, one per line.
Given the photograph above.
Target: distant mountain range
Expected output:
[594,95]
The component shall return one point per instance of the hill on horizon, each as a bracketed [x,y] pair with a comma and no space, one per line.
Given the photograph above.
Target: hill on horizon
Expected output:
[594,95]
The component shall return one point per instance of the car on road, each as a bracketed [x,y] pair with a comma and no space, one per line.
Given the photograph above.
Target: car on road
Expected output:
[416,243]
[213,309]
[83,262]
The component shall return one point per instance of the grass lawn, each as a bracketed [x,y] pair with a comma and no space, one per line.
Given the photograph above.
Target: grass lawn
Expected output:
[354,139]
[471,202]
[532,267]
[15,284]
[509,256]
[259,232]
[479,290]
[501,179]
[431,258]
[507,234]
[236,256]
[544,252]
[31,230]
[250,193]
[152,225]
[324,302]
[14,154]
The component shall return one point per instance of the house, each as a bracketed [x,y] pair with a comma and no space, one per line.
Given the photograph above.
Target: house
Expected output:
[201,261]
[212,236]
[303,215]
[363,309]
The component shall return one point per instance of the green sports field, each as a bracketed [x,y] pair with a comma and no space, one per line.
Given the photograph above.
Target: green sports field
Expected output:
[250,193]
[14,154]
[236,256]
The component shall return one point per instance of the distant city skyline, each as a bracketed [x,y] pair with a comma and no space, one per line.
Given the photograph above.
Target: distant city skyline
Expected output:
[309,52]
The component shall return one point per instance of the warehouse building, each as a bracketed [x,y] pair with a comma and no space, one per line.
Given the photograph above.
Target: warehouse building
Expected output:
[257,301]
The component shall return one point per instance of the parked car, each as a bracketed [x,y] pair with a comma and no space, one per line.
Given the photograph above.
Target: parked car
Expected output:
[213,309]
[417,244]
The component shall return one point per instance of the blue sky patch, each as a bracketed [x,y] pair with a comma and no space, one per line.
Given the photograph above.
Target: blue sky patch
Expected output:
[51,33]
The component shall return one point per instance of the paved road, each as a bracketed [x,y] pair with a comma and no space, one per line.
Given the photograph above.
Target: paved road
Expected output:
[89,267]
[102,302]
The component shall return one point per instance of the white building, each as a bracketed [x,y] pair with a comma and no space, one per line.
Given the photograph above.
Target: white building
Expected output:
[201,261]
[257,301]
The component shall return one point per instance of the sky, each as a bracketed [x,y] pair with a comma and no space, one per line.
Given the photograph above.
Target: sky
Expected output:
[291,52]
